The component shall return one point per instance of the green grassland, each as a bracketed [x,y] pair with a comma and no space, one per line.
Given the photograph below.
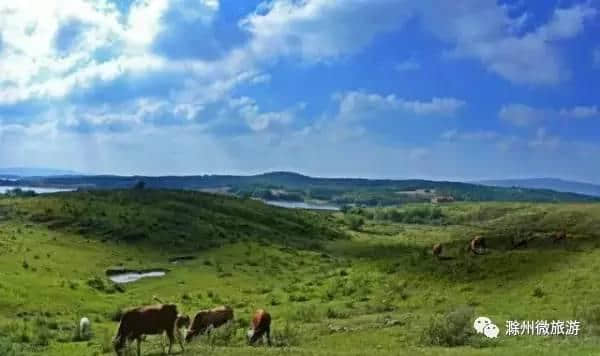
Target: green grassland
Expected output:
[333,287]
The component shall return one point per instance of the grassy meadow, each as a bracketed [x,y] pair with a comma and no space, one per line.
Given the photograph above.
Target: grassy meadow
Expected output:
[359,282]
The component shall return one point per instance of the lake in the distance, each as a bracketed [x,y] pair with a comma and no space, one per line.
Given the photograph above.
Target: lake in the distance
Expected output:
[4,189]
[301,205]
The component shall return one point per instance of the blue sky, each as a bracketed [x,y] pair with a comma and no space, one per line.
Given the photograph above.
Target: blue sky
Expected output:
[466,90]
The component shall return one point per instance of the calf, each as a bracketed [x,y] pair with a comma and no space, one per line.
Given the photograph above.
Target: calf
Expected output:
[209,318]
[477,245]
[84,328]
[261,325]
[559,236]
[148,320]
[437,250]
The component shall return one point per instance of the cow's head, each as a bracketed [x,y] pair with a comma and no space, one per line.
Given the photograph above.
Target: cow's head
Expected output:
[183,321]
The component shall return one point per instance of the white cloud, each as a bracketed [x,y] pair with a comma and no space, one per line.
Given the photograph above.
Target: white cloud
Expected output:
[544,141]
[143,22]
[358,106]
[581,112]
[319,30]
[455,135]
[418,153]
[567,22]
[524,115]
[407,65]
[322,29]
[250,112]
[35,67]
[483,30]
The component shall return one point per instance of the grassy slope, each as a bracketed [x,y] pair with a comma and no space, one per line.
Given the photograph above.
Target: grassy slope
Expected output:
[324,284]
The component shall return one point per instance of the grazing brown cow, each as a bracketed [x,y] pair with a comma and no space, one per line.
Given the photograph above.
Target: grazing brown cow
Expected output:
[205,319]
[559,236]
[261,325]
[148,320]
[477,245]
[437,250]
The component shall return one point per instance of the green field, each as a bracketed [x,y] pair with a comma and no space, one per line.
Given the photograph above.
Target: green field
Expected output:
[332,285]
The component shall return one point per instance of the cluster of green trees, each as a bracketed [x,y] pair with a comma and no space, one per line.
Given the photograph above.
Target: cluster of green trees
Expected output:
[425,214]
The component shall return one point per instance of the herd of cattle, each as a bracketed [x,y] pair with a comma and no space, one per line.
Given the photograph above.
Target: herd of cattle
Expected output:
[165,318]
[478,246]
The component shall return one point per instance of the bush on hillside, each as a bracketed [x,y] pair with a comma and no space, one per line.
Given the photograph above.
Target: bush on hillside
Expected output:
[451,329]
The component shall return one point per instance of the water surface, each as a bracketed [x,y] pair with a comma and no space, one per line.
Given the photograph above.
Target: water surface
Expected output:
[38,190]
[134,276]
[301,205]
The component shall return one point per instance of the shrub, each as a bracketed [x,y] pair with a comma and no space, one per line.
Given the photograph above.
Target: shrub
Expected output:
[335,314]
[306,314]
[538,292]
[42,333]
[286,337]
[7,348]
[21,333]
[452,329]
[354,222]
[97,283]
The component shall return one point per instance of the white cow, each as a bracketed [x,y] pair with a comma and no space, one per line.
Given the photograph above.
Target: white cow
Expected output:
[85,328]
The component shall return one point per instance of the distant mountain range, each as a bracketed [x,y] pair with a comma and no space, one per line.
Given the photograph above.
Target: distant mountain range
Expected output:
[34,172]
[289,186]
[555,184]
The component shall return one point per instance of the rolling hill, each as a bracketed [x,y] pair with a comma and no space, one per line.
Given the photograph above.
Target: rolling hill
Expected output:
[555,184]
[296,187]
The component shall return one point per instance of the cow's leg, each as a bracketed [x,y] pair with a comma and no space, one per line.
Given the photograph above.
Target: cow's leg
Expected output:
[268,332]
[258,334]
[180,337]
[139,346]
[171,339]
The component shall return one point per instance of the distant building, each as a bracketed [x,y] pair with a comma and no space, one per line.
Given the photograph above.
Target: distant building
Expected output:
[442,199]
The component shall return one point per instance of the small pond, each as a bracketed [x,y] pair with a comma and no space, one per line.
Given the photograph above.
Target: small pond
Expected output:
[301,205]
[38,190]
[127,276]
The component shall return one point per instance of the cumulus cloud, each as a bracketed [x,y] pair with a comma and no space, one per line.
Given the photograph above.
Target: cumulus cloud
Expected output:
[581,112]
[521,115]
[318,30]
[524,115]
[544,141]
[257,120]
[483,30]
[455,135]
[407,65]
[360,106]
